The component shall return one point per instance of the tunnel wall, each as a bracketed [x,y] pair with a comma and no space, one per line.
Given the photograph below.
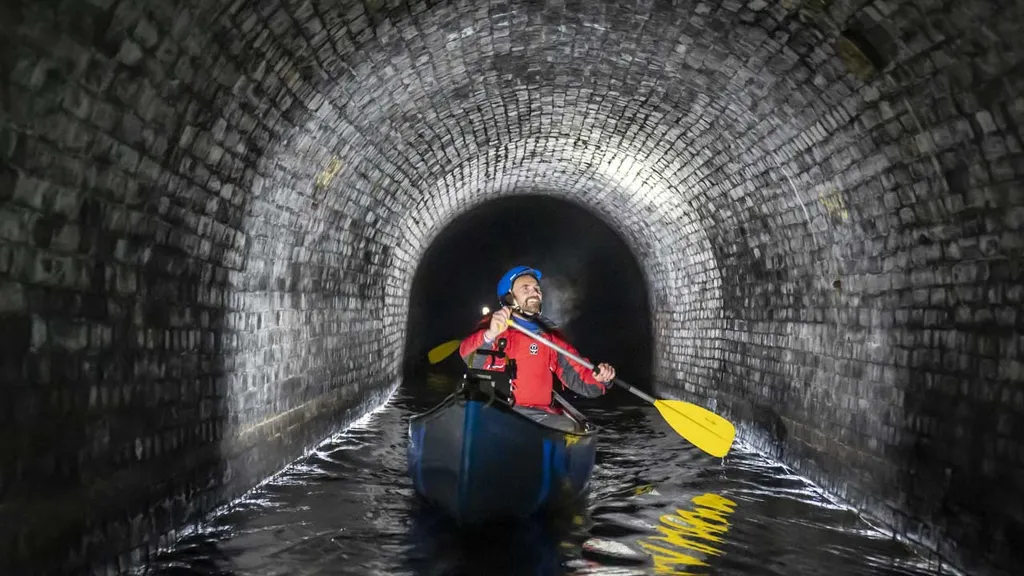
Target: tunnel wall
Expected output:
[214,212]
[169,339]
[871,333]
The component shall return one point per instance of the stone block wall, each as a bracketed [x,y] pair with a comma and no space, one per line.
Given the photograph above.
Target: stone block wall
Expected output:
[212,213]
[175,326]
[870,312]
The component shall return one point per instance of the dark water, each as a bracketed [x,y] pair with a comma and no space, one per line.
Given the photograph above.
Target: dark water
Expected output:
[657,506]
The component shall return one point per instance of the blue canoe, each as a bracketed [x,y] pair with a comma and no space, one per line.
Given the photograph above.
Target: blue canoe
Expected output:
[479,460]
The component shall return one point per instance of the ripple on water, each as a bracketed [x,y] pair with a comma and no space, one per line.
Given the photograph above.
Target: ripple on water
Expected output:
[656,506]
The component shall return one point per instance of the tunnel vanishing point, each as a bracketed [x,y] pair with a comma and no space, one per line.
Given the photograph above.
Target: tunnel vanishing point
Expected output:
[211,214]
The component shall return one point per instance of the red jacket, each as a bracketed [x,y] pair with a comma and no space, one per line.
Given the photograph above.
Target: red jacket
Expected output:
[534,363]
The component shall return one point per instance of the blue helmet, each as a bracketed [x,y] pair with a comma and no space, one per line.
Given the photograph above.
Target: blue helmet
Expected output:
[505,284]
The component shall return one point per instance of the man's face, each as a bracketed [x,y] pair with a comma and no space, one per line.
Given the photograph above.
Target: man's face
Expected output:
[527,293]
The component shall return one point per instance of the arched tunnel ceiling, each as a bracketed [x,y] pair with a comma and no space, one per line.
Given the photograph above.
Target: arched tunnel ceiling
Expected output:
[691,121]
[815,188]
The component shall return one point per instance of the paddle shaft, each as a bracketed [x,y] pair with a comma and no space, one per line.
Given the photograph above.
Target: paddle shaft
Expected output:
[558,348]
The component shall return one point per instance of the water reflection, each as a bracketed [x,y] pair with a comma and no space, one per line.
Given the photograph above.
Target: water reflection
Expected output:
[656,506]
[687,532]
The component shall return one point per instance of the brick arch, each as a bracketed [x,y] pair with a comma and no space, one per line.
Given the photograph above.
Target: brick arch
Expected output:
[623,194]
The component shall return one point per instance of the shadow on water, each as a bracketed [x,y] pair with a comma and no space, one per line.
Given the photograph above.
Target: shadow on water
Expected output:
[656,505]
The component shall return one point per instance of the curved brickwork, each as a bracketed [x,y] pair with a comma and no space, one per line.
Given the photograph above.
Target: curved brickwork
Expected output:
[212,213]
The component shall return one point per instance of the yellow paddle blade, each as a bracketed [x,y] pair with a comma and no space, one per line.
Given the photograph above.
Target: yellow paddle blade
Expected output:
[443,351]
[702,427]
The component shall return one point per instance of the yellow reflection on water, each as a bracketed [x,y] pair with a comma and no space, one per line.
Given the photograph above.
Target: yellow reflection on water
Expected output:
[440,382]
[686,532]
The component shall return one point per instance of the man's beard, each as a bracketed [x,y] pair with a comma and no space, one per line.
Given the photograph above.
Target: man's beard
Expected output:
[532,305]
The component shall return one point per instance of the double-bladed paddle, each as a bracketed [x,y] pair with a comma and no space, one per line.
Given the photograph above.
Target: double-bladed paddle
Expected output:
[700,426]
[442,351]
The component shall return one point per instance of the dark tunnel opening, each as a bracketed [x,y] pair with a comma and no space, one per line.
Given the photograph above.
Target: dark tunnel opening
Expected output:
[594,288]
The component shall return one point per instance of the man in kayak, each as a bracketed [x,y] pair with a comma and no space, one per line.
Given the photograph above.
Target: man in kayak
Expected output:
[520,293]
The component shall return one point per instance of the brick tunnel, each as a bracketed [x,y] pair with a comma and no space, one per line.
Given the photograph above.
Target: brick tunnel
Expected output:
[212,214]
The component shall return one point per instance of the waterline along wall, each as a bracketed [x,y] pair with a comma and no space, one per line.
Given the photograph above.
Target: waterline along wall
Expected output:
[211,213]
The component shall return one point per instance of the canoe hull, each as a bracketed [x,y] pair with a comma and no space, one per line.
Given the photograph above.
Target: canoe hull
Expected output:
[482,462]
